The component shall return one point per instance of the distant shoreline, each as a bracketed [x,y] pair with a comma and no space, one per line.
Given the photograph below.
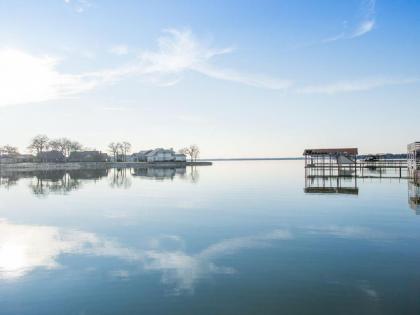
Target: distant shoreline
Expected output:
[256,159]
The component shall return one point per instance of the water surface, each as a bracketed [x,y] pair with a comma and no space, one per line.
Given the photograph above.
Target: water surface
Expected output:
[232,238]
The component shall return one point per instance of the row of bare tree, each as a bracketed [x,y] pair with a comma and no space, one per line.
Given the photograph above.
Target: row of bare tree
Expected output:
[8,150]
[119,150]
[42,143]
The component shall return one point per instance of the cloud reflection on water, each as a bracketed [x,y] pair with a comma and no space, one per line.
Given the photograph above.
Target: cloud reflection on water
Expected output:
[24,248]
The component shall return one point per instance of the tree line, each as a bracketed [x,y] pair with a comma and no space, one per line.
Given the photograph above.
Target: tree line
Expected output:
[118,150]
[8,150]
[42,143]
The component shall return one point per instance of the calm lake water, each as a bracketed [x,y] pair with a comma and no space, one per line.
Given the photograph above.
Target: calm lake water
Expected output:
[232,238]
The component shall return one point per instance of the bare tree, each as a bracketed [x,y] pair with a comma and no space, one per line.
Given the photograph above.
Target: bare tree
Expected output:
[39,144]
[9,150]
[61,145]
[195,150]
[192,151]
[120,151]
[113,149]
[65,146]
[74,146]
[126,147]
[55,144]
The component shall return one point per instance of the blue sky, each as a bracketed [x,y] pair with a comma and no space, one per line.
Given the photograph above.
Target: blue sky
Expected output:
[238,78]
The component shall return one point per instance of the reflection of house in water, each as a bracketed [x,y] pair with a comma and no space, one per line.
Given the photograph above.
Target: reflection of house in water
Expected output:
[162,173]
[87,174]
[414,195]
[159,173]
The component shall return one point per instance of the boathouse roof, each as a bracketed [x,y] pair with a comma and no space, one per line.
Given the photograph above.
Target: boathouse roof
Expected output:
[331,151]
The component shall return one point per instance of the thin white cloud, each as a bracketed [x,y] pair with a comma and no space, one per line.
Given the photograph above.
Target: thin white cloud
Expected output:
[119,50]
[363,28]
[179,51]
[364,25]
[364,84]
[255,80]
[26,78]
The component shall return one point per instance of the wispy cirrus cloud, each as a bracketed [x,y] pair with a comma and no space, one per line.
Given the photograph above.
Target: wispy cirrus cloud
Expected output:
[364,25]
[26,78]
[364,84]
[179,51]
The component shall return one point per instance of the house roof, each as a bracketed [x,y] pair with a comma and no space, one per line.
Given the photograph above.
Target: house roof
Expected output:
[85,153]
[159,150]
[331,151]
[52,153]
[144,152]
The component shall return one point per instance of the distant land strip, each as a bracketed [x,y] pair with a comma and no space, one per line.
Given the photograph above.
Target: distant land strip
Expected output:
[253,159]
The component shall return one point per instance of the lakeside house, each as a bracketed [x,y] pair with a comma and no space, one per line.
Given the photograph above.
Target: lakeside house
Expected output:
[87,156]
[16,158]
[158,155]
[52,156]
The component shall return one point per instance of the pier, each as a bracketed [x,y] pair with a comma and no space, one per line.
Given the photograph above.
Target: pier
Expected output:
[337,170]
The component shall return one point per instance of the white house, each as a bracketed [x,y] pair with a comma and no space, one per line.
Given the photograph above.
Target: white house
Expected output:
[179,157]
[159,155]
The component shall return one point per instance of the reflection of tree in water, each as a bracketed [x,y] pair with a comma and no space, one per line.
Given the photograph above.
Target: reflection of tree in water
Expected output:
[52,181]
[194,174]
[7,182]
[191,174]
[42,186]
[119,178]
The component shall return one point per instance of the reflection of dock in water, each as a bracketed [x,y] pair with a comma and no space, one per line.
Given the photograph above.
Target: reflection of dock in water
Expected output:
[330,181]
[332,190]
[414,195]
[337,170]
